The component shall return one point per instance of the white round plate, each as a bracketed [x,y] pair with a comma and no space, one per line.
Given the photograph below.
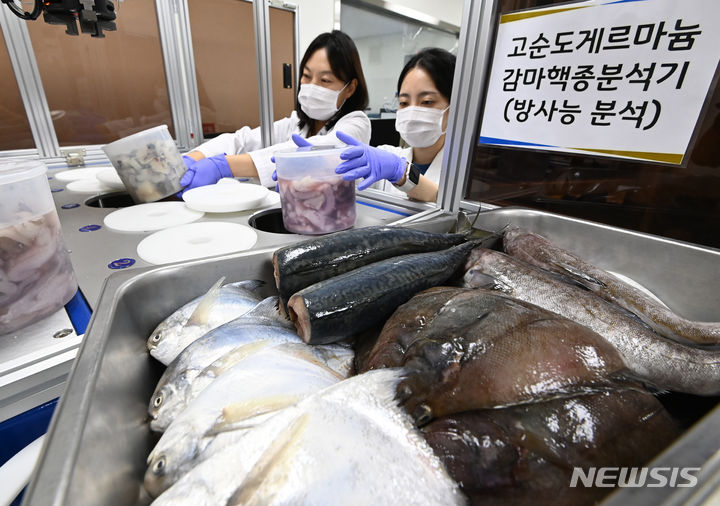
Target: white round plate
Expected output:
[273,199]
[109,177]
[77,174]
[151,217]
[196,240]
[88,186]
[226,196]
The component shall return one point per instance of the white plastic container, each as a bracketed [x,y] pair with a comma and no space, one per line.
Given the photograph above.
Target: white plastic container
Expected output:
[314,199]
[36,275]
[148,163]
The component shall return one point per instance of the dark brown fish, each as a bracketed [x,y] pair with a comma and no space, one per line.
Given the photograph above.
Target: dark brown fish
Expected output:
[302,264]
[348,304]
[537,250]
[465,349]
[526,454]
[658,361]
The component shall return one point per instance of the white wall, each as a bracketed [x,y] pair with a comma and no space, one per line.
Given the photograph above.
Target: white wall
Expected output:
[449,11]
[316,17]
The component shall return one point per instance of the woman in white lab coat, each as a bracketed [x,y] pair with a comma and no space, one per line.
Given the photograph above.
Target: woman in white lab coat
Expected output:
[424,90]
[332,96]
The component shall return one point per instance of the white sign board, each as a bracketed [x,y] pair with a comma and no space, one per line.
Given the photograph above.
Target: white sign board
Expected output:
[623,78]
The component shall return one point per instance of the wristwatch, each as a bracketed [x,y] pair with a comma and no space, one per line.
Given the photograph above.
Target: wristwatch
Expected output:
[412,178]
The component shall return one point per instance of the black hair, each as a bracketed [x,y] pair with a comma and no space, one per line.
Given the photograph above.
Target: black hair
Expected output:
[344,62]
[438,63]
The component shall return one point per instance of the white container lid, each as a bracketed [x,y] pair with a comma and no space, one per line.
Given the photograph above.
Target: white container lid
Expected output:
[156,132]
[226,196]
[14,171]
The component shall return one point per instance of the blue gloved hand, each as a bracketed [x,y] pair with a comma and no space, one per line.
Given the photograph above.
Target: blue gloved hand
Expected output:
[300,142]
[189,161]
[206,171]
[371,163]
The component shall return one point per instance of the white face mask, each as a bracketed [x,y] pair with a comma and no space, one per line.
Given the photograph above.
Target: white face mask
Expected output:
[318,102]
[420,126]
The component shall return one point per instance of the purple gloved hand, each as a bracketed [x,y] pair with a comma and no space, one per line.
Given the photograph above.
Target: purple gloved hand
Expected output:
[189,161]
[206,171]
[373,164]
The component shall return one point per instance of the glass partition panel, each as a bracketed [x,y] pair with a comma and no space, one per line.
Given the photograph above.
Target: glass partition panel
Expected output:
[223,37]
[102,89]
[15,130]
[676,197]
[385,43]
[282,48]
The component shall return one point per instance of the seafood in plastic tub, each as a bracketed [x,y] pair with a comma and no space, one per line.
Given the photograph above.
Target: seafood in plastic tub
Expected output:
[36,275]
[148,163]
[314,199]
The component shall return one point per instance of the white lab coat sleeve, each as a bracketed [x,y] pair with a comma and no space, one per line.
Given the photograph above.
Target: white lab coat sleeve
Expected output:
[356,124]
[246,139]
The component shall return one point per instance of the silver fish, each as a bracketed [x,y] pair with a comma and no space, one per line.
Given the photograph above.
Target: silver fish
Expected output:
[262,323]
[664,363]
[202,314]
[537,250]
[269,379]
[349,443]
[172,400]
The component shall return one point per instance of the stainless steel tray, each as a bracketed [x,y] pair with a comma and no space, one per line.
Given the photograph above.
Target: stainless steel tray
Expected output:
[98,440]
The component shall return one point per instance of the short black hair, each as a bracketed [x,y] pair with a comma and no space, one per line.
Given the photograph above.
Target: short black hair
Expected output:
[344,62]
[438,63]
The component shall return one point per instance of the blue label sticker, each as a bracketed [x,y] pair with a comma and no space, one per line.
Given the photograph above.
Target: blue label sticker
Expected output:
[55,190]
[70,206]
[121,263]
[89,228]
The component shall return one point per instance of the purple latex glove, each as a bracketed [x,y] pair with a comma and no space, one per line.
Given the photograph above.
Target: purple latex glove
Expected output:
[300,142]
[206,171]
[371,163]
[189,161]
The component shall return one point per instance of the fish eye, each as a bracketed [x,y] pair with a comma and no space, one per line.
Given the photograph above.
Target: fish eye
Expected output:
[423,414]
[159,466]
[157,337]
[158,400]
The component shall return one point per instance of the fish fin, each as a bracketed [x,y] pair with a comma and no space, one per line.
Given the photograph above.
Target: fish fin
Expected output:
[201,313]
[268,311]
[248,284]
[240,415]
[580,275]
[491,239]
[272,468]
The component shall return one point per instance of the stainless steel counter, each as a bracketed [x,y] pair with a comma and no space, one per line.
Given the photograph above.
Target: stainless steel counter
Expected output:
[99,438]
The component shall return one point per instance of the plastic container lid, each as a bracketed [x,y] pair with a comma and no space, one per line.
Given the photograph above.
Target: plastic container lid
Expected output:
[314,161]
[151,217]
[227,196]
[150,132]
[14,171]
[196,240]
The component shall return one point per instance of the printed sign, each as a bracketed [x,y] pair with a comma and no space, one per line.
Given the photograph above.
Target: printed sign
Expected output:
[623,78]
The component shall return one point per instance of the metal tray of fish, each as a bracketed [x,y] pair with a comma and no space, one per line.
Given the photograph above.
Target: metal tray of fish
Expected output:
[99,438]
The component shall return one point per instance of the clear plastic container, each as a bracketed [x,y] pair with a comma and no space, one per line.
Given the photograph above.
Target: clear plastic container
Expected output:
[36,275]
[149,164]
[314,200]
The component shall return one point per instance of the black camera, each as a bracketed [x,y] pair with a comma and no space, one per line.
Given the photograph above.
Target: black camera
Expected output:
[94,15]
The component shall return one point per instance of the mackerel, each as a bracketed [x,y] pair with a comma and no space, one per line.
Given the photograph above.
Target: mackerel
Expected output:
[345,305]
